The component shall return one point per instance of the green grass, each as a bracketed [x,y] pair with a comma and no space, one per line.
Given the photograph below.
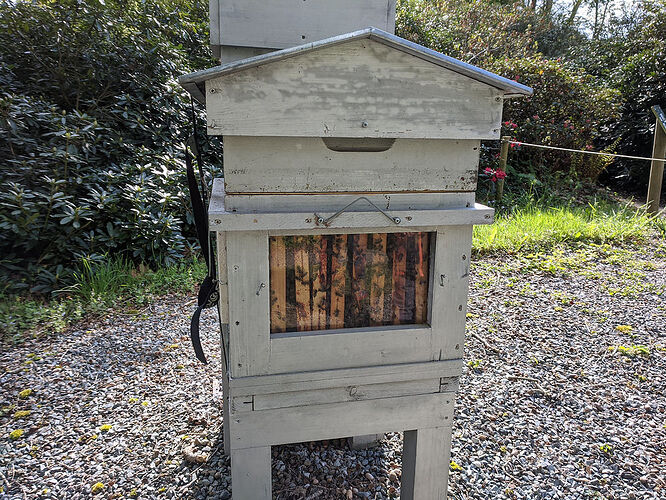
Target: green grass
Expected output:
[539,227]
[113,284]
[530,223]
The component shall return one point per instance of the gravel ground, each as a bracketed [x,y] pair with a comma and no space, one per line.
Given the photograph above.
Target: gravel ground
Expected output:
[563,396]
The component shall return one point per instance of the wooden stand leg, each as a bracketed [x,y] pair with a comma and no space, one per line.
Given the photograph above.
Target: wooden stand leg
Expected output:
[226,420]
[226,415]
[251,473]
[363,442]
[425,464]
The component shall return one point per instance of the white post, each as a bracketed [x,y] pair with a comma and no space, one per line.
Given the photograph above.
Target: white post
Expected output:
[425,464]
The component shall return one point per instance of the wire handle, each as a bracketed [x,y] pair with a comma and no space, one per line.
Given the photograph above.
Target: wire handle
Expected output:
[327,222]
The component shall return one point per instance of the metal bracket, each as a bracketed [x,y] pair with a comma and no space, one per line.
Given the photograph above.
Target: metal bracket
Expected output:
[327,222]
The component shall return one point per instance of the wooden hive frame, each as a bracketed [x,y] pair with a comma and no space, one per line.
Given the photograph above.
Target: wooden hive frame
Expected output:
[310,385]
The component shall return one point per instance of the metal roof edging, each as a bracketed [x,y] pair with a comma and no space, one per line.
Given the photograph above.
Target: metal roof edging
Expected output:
[191,81]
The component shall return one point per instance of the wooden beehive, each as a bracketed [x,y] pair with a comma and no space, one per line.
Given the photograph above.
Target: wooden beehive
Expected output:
[344,227]
[245,28]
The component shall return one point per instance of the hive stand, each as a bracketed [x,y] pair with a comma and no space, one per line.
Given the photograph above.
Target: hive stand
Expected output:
[381,379]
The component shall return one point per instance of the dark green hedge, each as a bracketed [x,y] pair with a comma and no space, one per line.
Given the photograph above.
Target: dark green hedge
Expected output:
[92,125]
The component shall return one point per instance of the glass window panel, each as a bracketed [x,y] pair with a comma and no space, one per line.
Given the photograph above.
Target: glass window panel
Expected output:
[320,282]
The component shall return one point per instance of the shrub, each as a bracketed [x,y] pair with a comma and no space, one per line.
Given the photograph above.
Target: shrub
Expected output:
[568,109]
[469,30]
[92,124]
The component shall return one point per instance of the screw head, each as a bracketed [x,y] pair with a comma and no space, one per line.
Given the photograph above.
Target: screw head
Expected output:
[397,220]
[364,124]
[320,220]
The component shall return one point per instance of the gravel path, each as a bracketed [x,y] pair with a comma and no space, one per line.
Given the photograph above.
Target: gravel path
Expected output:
[563,396]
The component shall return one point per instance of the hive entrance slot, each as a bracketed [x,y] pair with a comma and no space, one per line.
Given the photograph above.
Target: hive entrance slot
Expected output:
[357,144]
[322,282]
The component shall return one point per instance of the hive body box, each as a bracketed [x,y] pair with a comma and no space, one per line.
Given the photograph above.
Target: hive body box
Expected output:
[245,28]
[364,133]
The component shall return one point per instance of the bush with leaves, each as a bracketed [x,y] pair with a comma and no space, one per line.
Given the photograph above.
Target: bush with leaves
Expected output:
[569,107]
[92,126]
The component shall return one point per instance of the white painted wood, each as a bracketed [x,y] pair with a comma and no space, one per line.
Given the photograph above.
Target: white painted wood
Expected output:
[352,220]
[353,392]
[355,230]
[305,164]
[223,311]
[350,348]
[281,203]
[286,23]
[251,473]
[325,379]
[222,276]
[214,21]
[339,420]
[425,463]
[361,88]
[249,322]
[226,415]
[509,88]
[450,288]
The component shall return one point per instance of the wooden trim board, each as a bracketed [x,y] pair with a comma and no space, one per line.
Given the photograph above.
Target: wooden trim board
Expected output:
[324,379]
[351,221]
[337,420]
[305,164]
[361,88]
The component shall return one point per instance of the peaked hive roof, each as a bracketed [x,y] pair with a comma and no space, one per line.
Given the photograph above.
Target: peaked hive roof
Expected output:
[194,82]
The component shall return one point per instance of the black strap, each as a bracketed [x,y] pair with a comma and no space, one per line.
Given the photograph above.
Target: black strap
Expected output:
[208,290]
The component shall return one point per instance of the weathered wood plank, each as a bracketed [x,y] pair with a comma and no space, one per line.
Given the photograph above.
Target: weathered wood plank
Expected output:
[450,288]
[354,89]
[425,463]
[336,420]
[280,203]
[324,379]
[214,19]
[305,164]
[349,347]
[285,23]
[222,276]
[370,221]
[347,393]
[251,473]
[249,304]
